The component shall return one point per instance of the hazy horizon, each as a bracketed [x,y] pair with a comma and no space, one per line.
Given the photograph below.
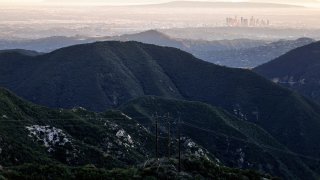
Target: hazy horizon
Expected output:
[308,3]
[37,18]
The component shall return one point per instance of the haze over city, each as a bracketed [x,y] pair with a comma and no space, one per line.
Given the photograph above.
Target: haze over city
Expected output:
[45,18]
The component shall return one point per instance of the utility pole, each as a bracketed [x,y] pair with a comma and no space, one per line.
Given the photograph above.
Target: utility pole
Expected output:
[169,137]
[256,113]
[179,141]
[157,153]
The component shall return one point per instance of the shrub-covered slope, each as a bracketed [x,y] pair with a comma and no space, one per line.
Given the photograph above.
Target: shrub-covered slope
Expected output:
[34,134]
[234,142]
[41,143]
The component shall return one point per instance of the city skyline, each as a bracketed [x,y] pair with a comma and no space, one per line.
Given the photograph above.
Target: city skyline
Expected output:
[246,22]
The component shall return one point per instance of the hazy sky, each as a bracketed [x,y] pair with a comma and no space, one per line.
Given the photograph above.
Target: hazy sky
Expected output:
[147,1]
[24,19]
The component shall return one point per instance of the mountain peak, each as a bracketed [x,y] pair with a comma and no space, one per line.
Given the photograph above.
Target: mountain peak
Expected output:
[152,32]
[208,4]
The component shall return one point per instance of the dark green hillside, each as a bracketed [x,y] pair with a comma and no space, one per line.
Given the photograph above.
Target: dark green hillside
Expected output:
[298,70]
[41,143]
[102,75]
[33,134]
[106,77]
[284,114]
[234,142]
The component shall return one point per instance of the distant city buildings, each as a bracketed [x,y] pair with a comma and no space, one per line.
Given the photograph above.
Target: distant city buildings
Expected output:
[244,22]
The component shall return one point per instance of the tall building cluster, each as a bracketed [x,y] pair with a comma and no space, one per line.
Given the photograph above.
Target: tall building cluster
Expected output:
[244,22]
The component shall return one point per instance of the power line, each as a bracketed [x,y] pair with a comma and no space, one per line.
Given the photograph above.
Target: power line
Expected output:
[75,121]
[179,143]
[81,119]
[157,153]
[264,146]
[169,139]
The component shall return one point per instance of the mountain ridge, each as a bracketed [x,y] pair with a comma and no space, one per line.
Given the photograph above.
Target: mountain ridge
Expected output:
[120,137]
[209,125]
[241,53]
[34,137]
[296,70]
[105,75]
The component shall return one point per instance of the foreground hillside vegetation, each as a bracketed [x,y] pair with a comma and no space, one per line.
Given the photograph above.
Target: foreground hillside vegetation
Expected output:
[41,143]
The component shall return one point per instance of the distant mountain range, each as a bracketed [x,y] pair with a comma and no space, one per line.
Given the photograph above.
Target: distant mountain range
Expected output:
[255,56]
[230,33]
[157,38]
[45,44]
[243,53]
[207,4]
[151,37]
[298,70]
[198,4]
